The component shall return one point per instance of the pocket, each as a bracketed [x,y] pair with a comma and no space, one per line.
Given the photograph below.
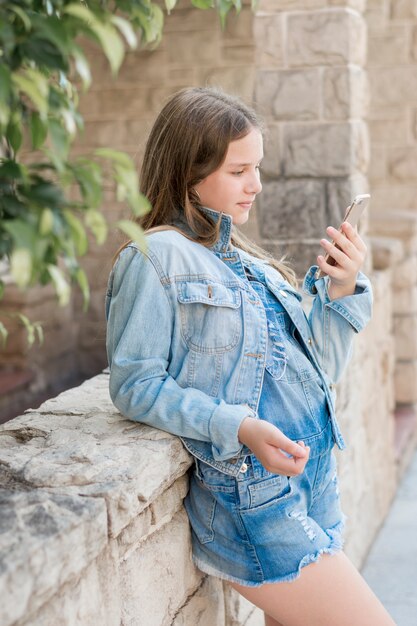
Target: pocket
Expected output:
[210,315]
[201,507]
[268,492]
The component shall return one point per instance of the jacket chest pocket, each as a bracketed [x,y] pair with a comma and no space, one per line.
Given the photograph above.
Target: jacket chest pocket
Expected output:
[210,316]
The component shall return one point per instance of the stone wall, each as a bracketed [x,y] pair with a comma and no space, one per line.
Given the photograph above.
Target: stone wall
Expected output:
[92,525]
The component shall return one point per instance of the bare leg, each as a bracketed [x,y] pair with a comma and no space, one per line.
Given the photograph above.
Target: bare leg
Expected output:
[270,621]
[330,592]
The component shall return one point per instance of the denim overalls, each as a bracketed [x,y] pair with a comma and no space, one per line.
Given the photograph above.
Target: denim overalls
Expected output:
[262,527]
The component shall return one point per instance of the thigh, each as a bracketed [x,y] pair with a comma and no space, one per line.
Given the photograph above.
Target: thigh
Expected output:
[329,592]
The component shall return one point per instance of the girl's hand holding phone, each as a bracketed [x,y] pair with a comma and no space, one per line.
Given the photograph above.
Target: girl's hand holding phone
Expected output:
[277,453]
[348,251]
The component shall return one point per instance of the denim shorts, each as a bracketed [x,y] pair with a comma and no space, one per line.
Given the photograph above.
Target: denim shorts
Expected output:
[261,527]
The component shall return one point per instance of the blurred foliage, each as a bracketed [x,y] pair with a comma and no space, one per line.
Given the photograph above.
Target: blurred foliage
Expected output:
[48,200]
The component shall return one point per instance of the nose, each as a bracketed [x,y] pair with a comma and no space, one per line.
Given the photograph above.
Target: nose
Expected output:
[254,184]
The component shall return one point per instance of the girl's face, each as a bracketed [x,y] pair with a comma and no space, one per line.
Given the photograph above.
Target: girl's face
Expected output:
[233,186]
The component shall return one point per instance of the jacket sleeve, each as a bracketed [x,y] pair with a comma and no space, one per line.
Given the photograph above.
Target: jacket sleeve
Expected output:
[334,323]
[140,322]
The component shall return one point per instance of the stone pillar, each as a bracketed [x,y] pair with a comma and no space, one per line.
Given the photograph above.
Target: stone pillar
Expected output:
[312,89]
[392,58]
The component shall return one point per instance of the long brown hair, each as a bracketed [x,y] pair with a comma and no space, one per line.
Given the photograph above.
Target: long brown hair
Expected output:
[189,141]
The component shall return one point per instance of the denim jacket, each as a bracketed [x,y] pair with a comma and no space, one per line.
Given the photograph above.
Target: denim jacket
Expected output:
[187,338]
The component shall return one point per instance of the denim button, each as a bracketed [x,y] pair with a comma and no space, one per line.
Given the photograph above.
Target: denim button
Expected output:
[244,468]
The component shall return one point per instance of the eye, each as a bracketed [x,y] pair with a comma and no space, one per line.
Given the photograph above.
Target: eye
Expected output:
[239,173]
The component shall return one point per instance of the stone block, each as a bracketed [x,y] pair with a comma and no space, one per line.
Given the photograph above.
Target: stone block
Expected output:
[237,54]
[378,170]
[345,93]
[289,5]
[340,193]
[268,36]
[289,94]
[387,197]
[405,334]
[205,607]
[404,10]
[90,599]
[292,209]
[399,224]
[388,46]
[238,26]
[332,149]
[189,51]
[405,273]
[377,14]
[235,80]
[272,162]
[356,5]
[47,538]
[405,381]
[405,301]
[386,252]
[328,37]
[401,163]
[393,85]
[167,555]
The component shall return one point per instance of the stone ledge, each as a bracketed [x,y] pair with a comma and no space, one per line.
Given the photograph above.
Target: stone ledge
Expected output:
[75,474]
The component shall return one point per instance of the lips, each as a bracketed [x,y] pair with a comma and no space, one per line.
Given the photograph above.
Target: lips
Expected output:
[245,205]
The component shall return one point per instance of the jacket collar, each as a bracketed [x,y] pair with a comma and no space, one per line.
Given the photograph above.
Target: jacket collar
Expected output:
[223,243]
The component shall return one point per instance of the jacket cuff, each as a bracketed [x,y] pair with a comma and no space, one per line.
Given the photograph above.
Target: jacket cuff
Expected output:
[223,429]
[355,308]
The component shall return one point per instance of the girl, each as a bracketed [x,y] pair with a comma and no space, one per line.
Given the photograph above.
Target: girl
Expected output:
[207,339]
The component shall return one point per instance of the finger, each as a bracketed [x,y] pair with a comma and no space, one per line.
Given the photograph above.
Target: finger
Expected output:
[342,241]
[353,235]
[334,271]
[288,446]
[290,466]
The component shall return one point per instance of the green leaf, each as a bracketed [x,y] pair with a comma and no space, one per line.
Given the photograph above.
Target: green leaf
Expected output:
[170,4]
[14,134]
[126,30]
[110,41]
[35,86]
[23,233]
[1,289]
[62,287]
[121,158]
[3,333]
[133,231]
[89,178]
[77,231]
[46,222]
[38,130]
[21,266]
[82,67]
[5,92]
[81,278]
[23,16]
[97,224]
[59,138]
[203,4]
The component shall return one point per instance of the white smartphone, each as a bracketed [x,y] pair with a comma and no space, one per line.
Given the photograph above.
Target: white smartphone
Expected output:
[352,215]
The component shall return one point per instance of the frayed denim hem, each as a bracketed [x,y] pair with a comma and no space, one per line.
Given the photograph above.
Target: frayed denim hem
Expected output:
[335,547]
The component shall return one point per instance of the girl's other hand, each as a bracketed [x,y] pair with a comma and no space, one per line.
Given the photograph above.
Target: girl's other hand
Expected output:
[271,447]
[349,259]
